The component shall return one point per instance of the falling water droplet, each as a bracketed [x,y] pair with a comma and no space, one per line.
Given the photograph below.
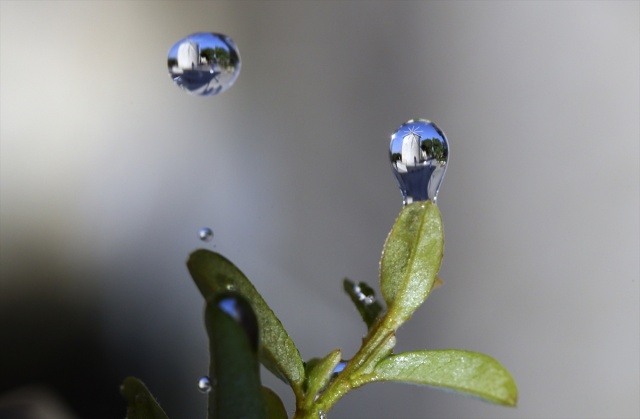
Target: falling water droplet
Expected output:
[205,234]
[419,152]
[322,415]
[204,63]
[204,384]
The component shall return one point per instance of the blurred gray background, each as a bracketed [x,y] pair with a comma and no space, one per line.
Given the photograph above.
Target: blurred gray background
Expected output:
[108,170]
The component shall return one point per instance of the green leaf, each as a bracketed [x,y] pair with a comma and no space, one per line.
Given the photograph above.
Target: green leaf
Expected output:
[466,372]
[319,372]
[234,368]
[140,403]
[213,273]
[364,298]
[411,259]
[275,407]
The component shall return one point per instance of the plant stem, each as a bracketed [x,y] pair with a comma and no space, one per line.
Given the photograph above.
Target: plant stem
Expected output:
[378,343]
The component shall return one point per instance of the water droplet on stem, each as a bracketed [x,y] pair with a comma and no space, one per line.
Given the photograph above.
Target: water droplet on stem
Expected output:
[204,63]
[419,152]
[204,384]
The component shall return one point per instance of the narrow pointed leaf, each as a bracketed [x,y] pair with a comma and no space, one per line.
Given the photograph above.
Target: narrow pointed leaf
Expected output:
[140,403]
[411,259]
[364,298]
[234,368]
[470,373]
[213,273]
[319,373]
[275,407]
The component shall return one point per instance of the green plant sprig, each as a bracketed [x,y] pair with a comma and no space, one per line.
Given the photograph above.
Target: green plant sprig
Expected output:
[408,273]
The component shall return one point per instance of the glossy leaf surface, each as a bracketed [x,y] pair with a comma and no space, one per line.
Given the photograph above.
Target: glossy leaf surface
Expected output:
[140,403]
[411,259]
[466,372]
[234,368]
[363,297]
[213,273]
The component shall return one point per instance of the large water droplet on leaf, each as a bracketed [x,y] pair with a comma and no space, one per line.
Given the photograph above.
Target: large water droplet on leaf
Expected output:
[204,64]
[419,152]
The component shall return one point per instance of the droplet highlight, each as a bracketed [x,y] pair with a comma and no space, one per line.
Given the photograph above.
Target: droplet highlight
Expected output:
[419,152]
[322,415]
[205,234]
[204,64]
[204,384]
[366,296]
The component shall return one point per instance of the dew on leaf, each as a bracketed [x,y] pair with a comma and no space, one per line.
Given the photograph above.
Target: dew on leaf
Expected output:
[204,64]
[365,298]
[419,152]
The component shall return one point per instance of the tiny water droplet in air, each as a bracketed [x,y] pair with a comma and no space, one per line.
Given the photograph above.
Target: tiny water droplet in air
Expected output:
[419,152]
[322,415]
[204,63]
[204,384]
[205,234]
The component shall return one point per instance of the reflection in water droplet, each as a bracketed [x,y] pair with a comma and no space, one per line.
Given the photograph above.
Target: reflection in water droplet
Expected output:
[204,64]
[204,384]
[419,152]
[205,234]
[322,415]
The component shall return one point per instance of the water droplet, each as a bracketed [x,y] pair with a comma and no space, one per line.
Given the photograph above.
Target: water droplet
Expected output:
[205,234]
[239,309]
[204,63]
[322,415]
[204,384]
[367,297]
[419,152]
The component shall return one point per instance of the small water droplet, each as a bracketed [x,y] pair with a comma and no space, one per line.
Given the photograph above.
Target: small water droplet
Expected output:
[204,63]
[322,415]
[204,384]
[419,152]
[205,234]
[365,297]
